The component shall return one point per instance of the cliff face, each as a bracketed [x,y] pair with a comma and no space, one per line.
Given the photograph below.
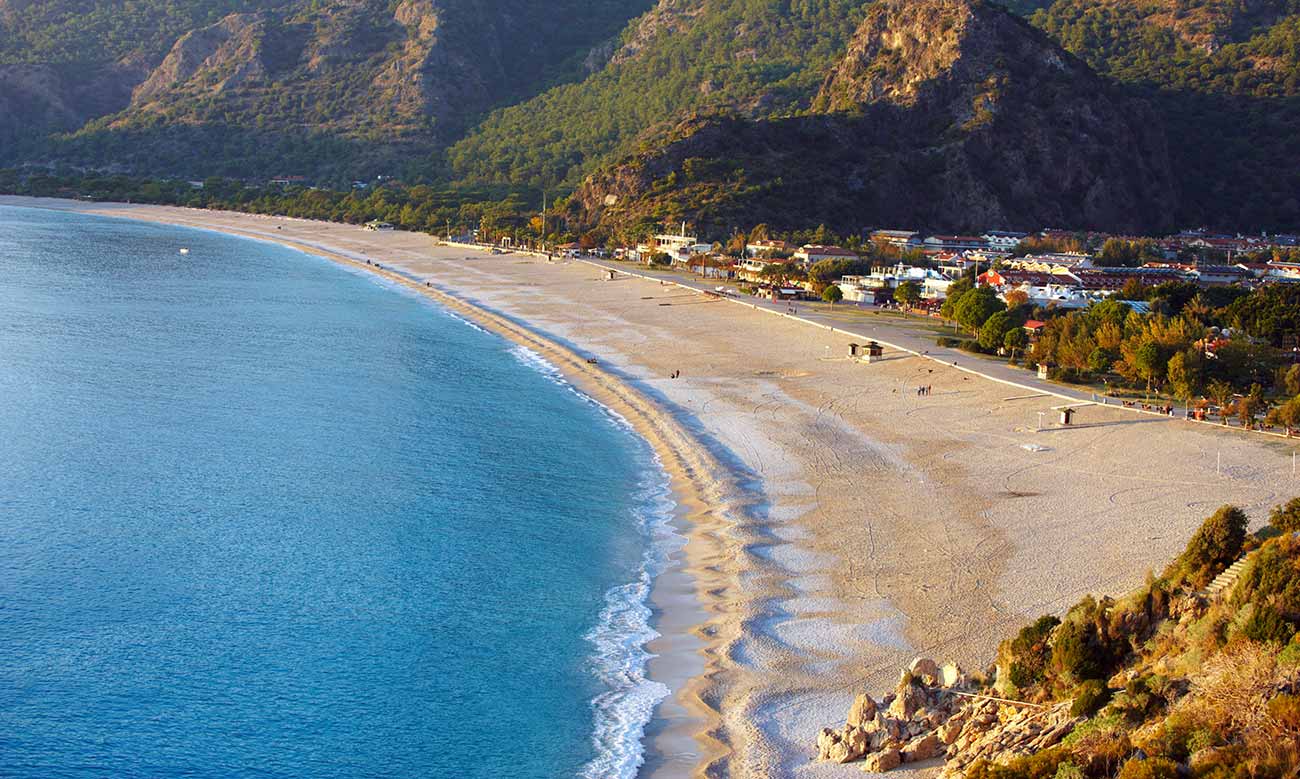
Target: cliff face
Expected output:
[950,114]
[223,56]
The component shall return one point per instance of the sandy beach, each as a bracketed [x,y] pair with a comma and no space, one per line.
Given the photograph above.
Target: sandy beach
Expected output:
[838,523]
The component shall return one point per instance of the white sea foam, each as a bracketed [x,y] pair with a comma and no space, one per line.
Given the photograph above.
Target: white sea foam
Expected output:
[623,710]
[620,636]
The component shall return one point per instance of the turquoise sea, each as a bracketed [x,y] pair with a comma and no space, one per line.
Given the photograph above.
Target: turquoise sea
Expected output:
[264,516]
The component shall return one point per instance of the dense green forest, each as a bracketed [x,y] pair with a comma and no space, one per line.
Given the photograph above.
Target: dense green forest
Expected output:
[496,211]
[1226,80]
[75,31]
[761,57]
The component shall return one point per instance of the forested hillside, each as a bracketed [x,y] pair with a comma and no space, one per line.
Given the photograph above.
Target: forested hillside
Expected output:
[948,113]
[1225,77]
[1196,105]
[756,57]
[319,87]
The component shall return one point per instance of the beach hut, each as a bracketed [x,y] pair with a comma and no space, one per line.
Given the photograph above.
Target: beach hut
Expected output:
[1067,416]
[869,352]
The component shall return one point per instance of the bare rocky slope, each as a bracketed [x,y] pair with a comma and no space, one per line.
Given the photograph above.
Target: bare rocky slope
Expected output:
[950,114]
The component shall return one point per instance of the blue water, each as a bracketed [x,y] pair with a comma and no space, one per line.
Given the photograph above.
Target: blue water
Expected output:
[262,516]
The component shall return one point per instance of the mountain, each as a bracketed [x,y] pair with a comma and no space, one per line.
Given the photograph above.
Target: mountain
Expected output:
[950,114]
[1224,75]
[1117,114]
[756,58]
[314,86]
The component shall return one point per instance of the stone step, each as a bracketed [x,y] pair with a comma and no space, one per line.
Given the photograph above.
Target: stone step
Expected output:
[1228,578]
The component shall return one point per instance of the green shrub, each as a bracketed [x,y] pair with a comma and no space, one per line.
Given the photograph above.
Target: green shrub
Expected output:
[1089,697]
[1180,736]
[970,347]
[1284,710]
[1267,624]
[1041,765]
[1215,546]
[1273,578]
[1286,517]
[1069,771]
[947,342]
[1075,655]
[1151,768]
[1290,654]
[1025,656]
[1141,698]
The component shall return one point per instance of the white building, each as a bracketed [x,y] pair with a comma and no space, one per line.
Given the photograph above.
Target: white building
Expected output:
[680,247]
[766,248]
[1003,240]
[1049,263]
[811,253]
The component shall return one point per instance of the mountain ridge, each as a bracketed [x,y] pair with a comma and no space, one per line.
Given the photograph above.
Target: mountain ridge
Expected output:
[948,113]
[501,93]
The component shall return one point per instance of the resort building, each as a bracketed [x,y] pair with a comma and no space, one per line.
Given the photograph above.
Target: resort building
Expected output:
[953,243]
[766,248]
[1003,240]
[1050,263]
[902,239]
[813,253]
[680,248]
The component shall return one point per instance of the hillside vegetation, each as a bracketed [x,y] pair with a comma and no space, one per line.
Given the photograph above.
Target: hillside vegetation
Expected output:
[1176,679]
[1168,112]
[755,57]
[315,87]
[948,113]
[1224,75]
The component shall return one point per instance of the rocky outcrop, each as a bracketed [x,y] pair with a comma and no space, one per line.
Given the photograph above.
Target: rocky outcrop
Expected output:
[936,713]
[946,54]
[222,56]
[666,18]
[947,114]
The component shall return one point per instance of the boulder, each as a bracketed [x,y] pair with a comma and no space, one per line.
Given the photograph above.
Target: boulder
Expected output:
[882,761]
[855,744]
[949,731]
[921,749]
[911,698]
[932,718]
[878,739]
[924,669]
[951,675]
[827,744]
[863,710]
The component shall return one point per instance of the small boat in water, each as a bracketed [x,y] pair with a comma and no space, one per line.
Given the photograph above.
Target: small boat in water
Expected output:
[185,251]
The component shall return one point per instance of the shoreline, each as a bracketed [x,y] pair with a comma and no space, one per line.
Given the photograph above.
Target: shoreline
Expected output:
[838,523]
[693,478]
